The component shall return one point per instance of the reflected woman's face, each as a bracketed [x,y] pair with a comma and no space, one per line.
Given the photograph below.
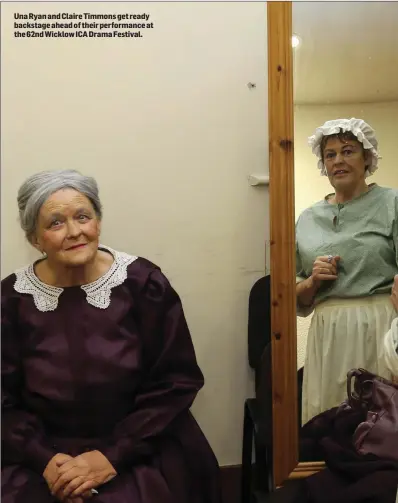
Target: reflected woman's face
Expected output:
[345,162]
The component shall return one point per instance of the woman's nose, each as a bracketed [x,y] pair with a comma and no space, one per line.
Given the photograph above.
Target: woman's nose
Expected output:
[338,159]
[73,229]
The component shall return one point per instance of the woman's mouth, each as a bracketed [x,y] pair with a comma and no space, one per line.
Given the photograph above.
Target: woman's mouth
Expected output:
[340,172]
[76,247]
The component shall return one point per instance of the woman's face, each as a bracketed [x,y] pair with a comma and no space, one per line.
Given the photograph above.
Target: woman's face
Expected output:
[344,162]
[68,229]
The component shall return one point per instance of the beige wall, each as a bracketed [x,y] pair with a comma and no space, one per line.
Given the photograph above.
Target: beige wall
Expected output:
[310,187]
[171,131]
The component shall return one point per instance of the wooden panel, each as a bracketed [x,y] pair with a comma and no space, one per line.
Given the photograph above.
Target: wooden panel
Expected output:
[306,469]
[282,258]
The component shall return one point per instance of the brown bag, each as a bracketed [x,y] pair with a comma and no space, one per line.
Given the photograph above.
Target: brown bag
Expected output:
[378,434]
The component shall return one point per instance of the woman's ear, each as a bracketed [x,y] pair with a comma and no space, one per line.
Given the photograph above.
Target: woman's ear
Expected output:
[35,243]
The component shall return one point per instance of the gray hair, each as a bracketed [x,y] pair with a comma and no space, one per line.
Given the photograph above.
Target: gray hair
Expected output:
[39,187]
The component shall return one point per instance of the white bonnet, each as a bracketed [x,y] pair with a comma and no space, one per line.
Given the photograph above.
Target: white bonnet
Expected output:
[364,133]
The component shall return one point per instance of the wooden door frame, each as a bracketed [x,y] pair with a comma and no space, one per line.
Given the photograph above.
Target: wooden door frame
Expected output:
[283,248]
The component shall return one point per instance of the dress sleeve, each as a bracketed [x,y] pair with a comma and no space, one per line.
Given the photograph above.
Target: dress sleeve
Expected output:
[23,437]
[302,311]
[300,274]
[172,379]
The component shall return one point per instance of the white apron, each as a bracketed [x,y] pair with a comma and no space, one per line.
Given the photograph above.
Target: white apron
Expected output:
[344,334]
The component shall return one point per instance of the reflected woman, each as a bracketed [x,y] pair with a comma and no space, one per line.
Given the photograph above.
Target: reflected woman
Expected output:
[347,257]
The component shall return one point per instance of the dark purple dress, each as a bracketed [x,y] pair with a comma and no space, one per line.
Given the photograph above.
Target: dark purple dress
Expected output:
[120,380]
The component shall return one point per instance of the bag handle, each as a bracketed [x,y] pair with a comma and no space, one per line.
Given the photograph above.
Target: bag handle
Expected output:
[360,395]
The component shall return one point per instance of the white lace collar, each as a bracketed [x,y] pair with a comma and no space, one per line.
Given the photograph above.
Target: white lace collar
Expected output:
[98,293]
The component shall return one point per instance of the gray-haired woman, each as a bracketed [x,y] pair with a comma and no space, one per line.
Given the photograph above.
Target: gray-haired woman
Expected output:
[347,257]
[98,367]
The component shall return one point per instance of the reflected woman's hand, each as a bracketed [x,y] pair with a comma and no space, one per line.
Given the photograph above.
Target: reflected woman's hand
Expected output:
[324,269]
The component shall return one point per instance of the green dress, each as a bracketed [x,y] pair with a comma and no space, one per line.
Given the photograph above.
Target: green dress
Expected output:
[354,312]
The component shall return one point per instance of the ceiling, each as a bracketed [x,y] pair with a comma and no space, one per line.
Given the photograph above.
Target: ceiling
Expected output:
[348,52]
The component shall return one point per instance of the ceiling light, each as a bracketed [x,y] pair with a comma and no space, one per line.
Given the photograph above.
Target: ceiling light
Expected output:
[295,41]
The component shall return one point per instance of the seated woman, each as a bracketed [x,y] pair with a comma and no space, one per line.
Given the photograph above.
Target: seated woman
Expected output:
[98,367]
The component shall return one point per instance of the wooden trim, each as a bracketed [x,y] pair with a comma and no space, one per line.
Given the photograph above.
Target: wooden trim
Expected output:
[282,242]
[282,249]
[310,465]
[306,469]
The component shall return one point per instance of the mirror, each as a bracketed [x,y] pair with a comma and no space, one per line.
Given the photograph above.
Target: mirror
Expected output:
[344,65]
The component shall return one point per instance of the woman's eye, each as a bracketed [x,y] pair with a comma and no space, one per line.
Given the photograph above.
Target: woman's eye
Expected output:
[83,218]
[348,152]
[330,155]
[54,223]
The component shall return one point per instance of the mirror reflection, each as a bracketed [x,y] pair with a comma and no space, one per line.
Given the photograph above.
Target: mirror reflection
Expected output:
[346,190]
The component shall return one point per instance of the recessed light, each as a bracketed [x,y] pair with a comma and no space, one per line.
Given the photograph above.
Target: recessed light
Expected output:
[295,41]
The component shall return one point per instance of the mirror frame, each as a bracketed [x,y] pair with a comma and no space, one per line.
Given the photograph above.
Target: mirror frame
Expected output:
[283,248]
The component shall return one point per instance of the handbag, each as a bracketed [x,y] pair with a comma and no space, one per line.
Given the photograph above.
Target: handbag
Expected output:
[378,397]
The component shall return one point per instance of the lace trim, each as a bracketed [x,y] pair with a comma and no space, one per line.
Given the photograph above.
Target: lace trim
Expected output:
[45,296]
[98,293]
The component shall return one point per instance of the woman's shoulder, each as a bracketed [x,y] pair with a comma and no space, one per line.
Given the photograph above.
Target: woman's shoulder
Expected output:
[135,267]
[22,281]
[8,292]
[142,275]
[309,212]
[390,193]
[128,262]
[141,270]
[147,280]
[8,282]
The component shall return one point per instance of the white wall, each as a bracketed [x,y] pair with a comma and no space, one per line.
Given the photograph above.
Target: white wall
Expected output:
[310,187]
[169,128]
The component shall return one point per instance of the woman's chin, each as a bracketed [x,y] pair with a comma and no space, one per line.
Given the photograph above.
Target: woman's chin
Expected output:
[343,183]
[78,258]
